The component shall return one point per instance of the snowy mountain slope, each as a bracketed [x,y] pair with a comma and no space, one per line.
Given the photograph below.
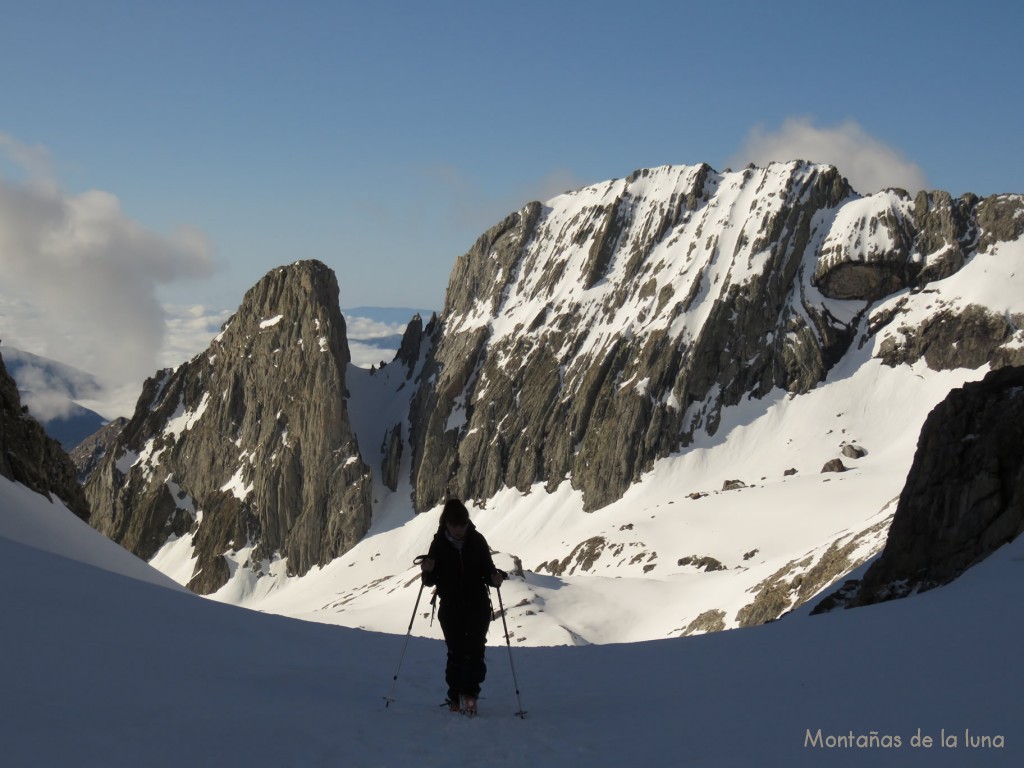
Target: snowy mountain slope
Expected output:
[585,339]
[777,541]
[103,670]
[607,365]
[33,520]
[783,520]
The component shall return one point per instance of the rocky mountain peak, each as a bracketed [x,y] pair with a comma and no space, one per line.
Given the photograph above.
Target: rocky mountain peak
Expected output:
[584,338]
[303,299]
[247,449]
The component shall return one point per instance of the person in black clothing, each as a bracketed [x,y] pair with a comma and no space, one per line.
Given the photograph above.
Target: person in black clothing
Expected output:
[459,565]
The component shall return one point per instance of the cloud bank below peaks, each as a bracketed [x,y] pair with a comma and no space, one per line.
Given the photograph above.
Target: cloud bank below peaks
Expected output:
[84,274]
[869,164]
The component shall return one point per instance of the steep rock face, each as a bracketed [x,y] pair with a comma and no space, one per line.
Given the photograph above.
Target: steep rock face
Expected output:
[867,252]
[881,244]
[30,457]
[584,339]
[87,455]
[957,337]
[248,447]
[964,496]
[954,333]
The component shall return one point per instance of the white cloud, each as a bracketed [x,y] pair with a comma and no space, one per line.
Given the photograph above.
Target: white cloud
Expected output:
[366,328]
[868,164]
[33,161]
[78,276]
[47,405]
[47,396]
[190,330]
[472,208]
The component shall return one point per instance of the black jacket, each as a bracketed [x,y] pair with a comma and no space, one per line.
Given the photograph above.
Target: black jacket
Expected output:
[461,577]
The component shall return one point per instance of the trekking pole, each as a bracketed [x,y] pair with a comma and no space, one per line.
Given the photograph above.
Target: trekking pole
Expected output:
[394,680]
[521,714]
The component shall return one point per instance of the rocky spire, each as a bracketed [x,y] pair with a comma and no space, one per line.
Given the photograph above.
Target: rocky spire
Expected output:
[248,447]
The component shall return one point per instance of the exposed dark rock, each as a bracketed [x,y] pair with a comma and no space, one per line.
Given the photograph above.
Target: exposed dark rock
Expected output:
[1000,218]
[846,271]
[490,264]
[710,621]
[964,496]
[704,563]
[52,381]
[87,454]
[800,580]
[841,598]
[852,451]
[834,465]
[772,600]
[968,338]
[733,485]
[30,457]
[409,351]
[248,444]
[580,342]
[947,231]
[582,557]
[923,242]
[392,451]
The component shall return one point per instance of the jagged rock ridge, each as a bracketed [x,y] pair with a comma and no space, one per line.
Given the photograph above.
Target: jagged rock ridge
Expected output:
[584,339]
[247,448]
[581,341]
[87,455]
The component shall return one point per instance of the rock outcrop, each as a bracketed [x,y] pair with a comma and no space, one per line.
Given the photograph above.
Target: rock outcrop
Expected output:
[248,447]
[964,496]
[88,453]
[30,457]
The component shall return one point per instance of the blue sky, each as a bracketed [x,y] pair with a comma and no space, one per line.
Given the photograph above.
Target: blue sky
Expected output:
[383,138]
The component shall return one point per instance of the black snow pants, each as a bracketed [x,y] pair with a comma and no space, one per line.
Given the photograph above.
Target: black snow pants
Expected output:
[465,635]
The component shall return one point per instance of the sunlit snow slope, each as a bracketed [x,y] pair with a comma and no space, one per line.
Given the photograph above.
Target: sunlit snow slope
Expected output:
[677,554]
[776,529]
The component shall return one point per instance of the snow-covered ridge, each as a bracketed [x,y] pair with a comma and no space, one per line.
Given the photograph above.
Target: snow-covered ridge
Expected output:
[664,248]
[636,386]
[863,229]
